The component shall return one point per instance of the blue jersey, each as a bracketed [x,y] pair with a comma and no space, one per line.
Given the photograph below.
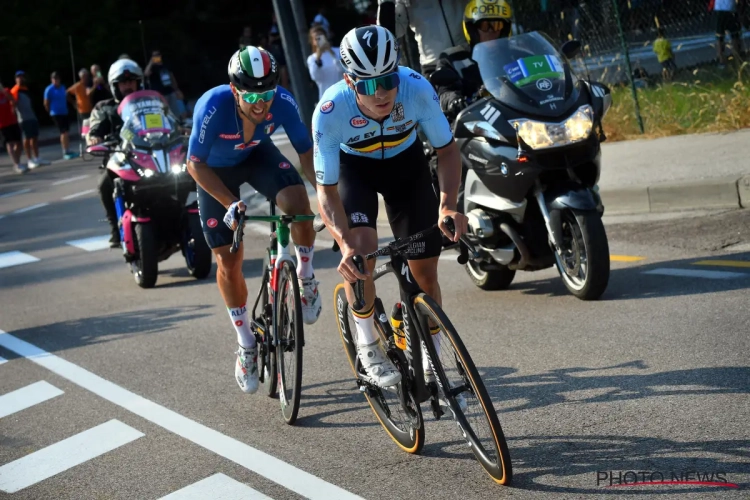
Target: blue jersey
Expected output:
[217,137]
[339,124]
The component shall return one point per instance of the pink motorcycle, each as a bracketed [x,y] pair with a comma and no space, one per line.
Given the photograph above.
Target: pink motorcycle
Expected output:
[152,188]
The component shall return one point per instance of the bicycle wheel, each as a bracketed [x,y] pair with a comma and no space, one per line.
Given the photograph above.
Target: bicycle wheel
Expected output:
[266,355]
[454,369]
[290,332]
[403,424]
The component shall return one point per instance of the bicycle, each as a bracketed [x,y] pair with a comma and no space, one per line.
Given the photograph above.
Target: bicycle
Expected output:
[277,332]
[402,419]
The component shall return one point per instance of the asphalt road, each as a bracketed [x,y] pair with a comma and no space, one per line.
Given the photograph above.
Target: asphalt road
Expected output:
[129,393]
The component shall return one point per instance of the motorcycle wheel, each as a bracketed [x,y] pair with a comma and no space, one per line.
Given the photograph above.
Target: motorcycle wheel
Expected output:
[495,279]
[584,266]
[200,267]
[146,268]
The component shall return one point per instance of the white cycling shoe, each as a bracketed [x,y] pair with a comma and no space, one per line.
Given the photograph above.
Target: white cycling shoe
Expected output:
[378,367]
[310,300]
[246,369]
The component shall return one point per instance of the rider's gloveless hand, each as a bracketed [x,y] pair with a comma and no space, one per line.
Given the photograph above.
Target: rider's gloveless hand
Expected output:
[347,268]
[460,221]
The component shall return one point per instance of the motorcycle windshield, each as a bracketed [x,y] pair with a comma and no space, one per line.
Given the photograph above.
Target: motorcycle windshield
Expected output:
[147,121]
[527,73]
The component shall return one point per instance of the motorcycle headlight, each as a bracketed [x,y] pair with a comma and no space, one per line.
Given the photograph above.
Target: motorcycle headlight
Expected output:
[542,135]
[176,169]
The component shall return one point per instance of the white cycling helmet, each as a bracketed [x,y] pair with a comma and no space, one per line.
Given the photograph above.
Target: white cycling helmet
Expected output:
[123,70]
[369,52]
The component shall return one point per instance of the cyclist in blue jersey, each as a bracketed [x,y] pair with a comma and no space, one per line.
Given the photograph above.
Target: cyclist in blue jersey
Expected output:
[365,144]
[230,144]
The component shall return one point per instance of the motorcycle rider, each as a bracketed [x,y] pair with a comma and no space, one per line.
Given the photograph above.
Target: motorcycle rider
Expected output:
[457,75]
[124,77]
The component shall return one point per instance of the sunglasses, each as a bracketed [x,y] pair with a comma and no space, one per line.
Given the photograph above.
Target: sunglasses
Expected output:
[256,97]
[486,25]
[370,86]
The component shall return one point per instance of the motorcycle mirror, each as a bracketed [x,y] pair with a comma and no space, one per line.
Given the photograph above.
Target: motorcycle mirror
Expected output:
[571,48]
[98,150]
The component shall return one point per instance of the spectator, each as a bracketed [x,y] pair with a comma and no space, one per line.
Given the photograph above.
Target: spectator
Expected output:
[56,104]
[10,130]
[276,48]
[323,64]
[82,90]
[247,37]
[726,19]
[100,92]
[27,120]
[320,19]
[663,51]
[162,80]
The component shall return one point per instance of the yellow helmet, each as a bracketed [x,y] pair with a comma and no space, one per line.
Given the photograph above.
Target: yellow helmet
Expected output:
[489,10]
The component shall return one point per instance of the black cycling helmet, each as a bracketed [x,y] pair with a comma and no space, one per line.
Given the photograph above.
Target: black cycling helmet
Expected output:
[253,69]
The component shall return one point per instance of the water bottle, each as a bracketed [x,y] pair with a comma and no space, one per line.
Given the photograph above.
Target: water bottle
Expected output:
[397,322]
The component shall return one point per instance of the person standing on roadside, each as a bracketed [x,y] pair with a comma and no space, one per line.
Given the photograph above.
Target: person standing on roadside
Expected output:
[162,80]
[324,63]
[27,120]
[56,104]
[82,91]
[10,130]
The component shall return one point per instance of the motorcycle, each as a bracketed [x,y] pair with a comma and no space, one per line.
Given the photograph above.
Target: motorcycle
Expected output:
[152,189]
[530,148]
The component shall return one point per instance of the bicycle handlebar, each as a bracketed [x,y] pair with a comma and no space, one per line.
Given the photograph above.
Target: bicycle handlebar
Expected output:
[238,233]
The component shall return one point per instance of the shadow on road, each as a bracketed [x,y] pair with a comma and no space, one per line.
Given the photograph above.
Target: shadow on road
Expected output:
[631,283]
[99,329]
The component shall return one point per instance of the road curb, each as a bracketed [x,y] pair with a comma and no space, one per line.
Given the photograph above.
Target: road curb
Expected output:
[725,192]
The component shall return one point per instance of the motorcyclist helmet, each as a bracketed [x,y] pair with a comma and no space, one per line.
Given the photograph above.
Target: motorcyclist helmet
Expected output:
[486,15]
[253,69]
[123,70]
[369,52]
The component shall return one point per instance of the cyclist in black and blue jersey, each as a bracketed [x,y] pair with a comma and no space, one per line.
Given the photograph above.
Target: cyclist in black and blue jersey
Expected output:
[230,144]
[365,144]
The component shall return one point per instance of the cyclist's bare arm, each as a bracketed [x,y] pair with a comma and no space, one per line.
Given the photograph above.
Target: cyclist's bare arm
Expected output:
[210,182]
[333,214]
[306,160]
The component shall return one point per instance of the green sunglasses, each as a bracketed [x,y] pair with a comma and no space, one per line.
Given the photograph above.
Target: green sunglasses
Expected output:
[370,86]
[256,97]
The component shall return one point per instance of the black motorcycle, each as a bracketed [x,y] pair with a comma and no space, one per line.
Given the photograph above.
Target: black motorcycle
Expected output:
[530,146]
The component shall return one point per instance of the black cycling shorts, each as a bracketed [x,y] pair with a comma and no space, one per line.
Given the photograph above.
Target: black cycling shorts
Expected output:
[406,186]
[265,169]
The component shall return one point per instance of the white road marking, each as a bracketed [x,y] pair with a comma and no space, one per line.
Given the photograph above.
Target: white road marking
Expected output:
[29,209]
[9,259]
[15,193]
[81,193]
[26,397]
[72,179]
[3,360]
[695,273]
[65,454]
[91,244]
[270,467]
[217,487]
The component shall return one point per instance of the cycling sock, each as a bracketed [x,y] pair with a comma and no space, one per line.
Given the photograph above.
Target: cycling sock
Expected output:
[304,261]
[241,322]
[365,322]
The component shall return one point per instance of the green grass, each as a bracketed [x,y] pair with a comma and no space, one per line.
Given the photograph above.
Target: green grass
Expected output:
[703,100]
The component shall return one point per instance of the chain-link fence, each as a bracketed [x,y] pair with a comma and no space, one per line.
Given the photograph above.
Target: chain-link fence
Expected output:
[628,42]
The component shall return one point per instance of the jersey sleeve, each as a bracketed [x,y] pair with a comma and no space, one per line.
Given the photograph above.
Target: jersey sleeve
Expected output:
[205,130]
[293,126]
[431,117]
[46,93]
[327,135]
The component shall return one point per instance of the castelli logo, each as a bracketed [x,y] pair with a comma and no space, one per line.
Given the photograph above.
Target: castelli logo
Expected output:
[212,223]
[359,122]
[269,117]
[284,165]
[195,159]
[326,107]
[239,322]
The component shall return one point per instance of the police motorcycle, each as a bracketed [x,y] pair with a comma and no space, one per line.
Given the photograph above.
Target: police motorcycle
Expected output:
[153,189]
[530,147]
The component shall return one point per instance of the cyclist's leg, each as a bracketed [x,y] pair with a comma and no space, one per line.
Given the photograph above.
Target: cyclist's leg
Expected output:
[269,172]
[360,199]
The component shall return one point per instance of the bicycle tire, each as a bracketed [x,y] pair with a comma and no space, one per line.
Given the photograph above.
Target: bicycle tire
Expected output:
[501,469]
[289,399]
[268,361]
[411,441]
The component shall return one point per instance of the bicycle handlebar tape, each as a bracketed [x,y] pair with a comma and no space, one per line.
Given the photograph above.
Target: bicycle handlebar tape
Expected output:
[238,233]
[359,285]
[318,224]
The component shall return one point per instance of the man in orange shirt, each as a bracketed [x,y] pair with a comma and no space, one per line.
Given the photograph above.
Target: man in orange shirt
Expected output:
[82,90]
